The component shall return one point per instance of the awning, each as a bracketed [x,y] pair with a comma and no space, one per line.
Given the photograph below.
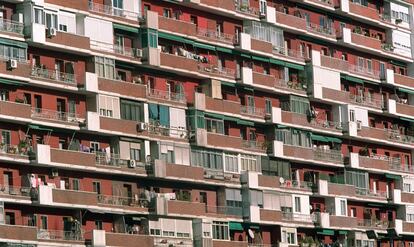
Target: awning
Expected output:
[175,38]
[406,90]
[392,176]
[398,63]
[126,28]
[319,138]
[407,119]
[102,211]
[236,226]
[14,43]
[204,46]
[334,139]
[353,79]
[294,66]
[326,232]
[11,82]
[281,126]
[37,127]
[228,84]
[214,115]
[276,62]
[244,122]
[225,50]
[343,232]
[261,59]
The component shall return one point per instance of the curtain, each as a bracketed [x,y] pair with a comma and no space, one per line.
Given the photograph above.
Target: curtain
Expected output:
[164,115]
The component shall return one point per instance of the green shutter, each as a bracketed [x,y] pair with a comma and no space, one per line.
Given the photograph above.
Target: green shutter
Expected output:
[37,127]
[214,115]
[392,176]
[326,232]
[334,139]
[407,119]
[126,28]
[235,226]
[14,43]
[225,50]
[245,122]
[164,115]
[228,84]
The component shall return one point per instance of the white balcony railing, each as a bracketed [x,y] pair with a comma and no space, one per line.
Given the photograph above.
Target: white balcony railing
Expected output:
[56,115]
[128,51]
[166,95]
[60,235]
[213,34]
[122,201]
[54,75]
[328,155]
[252,111]
[214,69]
[109,10]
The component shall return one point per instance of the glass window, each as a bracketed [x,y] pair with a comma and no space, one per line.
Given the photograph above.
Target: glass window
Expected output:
[131,110]
[220,230]
[268,106]
[343,207]
[207,159]
[406,187]
[250,163]
[214,125]
[231,163]
[297,204]
[105,67]
[51,20]
[39,16]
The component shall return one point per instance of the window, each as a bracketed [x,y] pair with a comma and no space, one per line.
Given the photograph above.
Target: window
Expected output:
[352,115]
[105,67]
[231,163]
[39,16]
[207,159]
[108,106]
[4,95]
[43,222]
[96,187]
[5,138]
[369,66]
[214,125]
[220,230]
[98,225]
[119,4]
[297,204]
[410,217]
[51,20]
[353,212]
[406,187]
[233,199]
[288,236]
[166,13]
[250,163]
[11,52]
[262,7]
[149,38]
[131,110]
[342,207]
[268,106]
[75,184]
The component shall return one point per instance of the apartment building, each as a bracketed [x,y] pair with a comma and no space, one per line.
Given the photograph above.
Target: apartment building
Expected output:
[206,123]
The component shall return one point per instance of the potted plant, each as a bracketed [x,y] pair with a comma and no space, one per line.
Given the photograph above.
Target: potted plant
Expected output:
[19,100]
[22,146]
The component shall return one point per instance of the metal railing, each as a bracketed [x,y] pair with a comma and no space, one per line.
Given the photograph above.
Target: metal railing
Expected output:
[363,71]
[55,115]
[11,26]
[166,95]
[297,185]
[288,52]
[401,167]
[14,150]
[156,128]
[327,31]
[54,75]
[371,193]
[122,201]
[214,69]
[213,34]
[60,235]
[108,159]
[297,217]
[109,10]
[246,9]
[394,135]
[297,86]
[373,223]
[128,51]
[225,210]
[256,145]
[15,190]
[328,155]
[367,101]
[252,111]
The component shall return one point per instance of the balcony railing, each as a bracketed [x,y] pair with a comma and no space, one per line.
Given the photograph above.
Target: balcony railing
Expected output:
[246,9]
[53,75]
[256,145]
[288,52]
[109,10]
[364,71]
[166,95]
[297,86]
[367,101]
[371,193]
[108,159]
[56,115]
[252,111]
[303,185]
[15,150]
[328,155]
[128,51]
[15,190]
[122,201]
[373,223]
[213,34]
[326,31]
[401,167]
[214,69]
[155,128]
[11,26]
[394,135]
[60,235]
[225,210]
[297,217]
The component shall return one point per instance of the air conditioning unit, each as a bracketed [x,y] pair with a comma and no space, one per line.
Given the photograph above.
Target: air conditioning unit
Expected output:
[138,53]
[359,125]
[12,64]
[132,164]
[141,127]
[51,32]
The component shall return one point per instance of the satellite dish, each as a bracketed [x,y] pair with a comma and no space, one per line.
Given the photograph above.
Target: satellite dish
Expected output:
[251,233]
[281,180]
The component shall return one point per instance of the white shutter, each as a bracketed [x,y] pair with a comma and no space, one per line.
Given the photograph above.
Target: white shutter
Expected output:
[69,20]
[168,225]
[124,150]
[183,226]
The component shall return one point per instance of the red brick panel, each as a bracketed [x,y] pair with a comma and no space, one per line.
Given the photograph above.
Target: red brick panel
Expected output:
[183,171]
[407,197]
[15,109]
[22,233]
[363,11]
[75,41]
[72,157]
[366,41]
[182,207]
[262,46]
[291,21]
[265,80]
[268,181]
[405,109]
[78,4]
[178,62]
[177,26]
[270,215]
[129,240]
[404,80]
[223,140]
[341,221]
[75,197]
[122,88]
[341,189]
[222,105]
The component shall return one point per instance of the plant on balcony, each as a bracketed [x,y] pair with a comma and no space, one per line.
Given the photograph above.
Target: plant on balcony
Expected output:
[23,146]
[357,30]
[309,242]
[364,151]
[19,100]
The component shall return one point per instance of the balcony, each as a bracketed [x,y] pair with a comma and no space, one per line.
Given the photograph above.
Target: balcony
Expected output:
[128,240]
[227,211]
[54,76]
[227,243]
[252,111]
[166,96]
[403,80]
[302,120]
[385,134]
[129,52]
[222,106]
[337,189]
[346,97]
[377,162]
[405,109]
[295,217]
[75,41]
[177,207]
[177,26]
[129,89]
[61,156]
[223,4]
[179,62]
[79,5]
[72,197]
[11,27]
[122,52]
[274,182]
[407,197]
[289,53]
[366,41]
[291,21]
[213,35]
[343,65]
[220,140]
[261,45]
[343,221]
[59,235]
[56,116]
[184,172]
[123,15]
[246,9]
[214,70]
[328,32]
[363,11]
[16,192]
[120,202]
[18,232]
[14,152]
[270,215]
[15,111]
[310,154]
[373,224]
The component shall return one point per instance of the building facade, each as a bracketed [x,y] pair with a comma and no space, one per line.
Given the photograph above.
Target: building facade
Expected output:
[206,123]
